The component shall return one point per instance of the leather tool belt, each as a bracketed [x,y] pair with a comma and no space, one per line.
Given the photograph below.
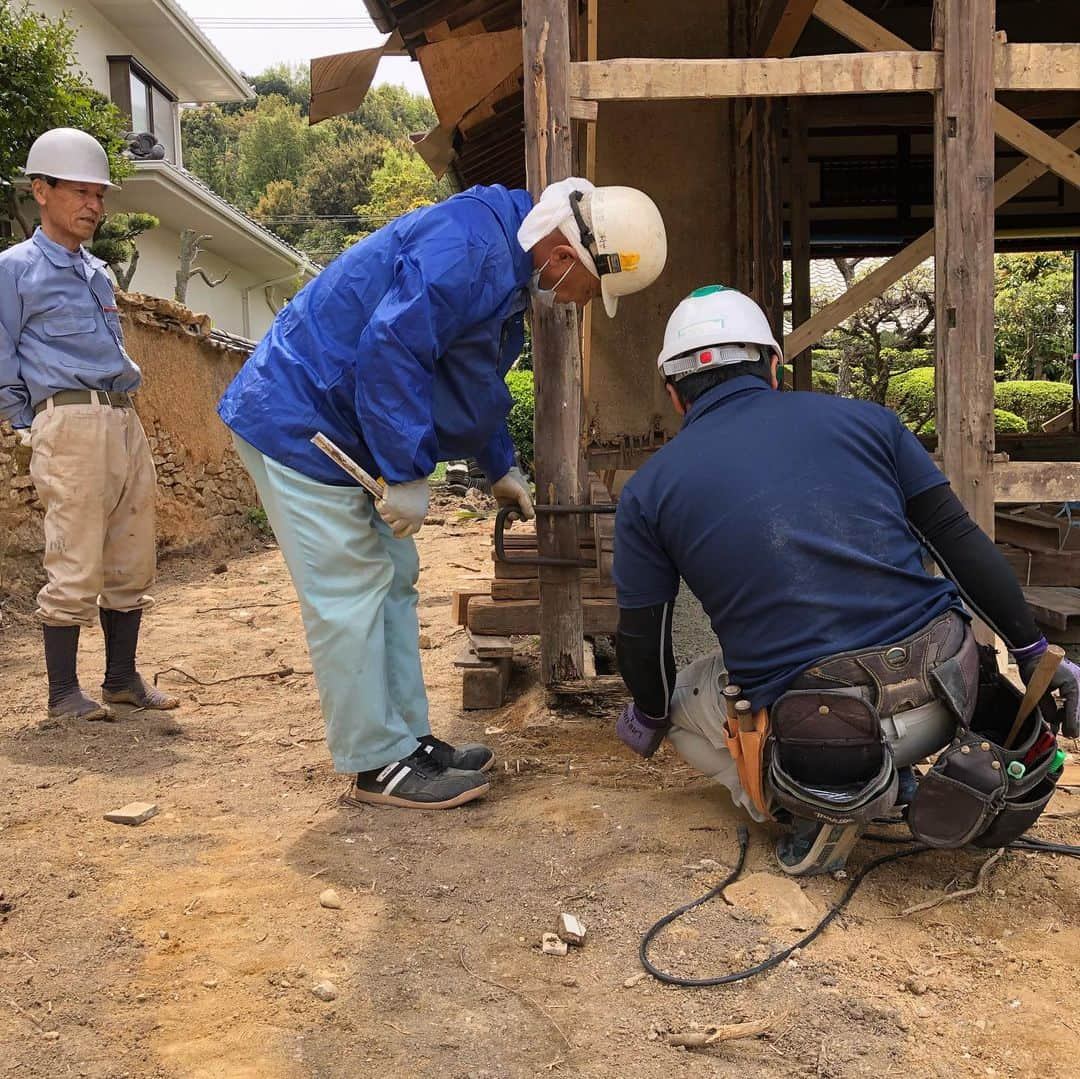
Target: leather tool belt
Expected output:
[978,791]
[86,397]
[747,749]
[839,733]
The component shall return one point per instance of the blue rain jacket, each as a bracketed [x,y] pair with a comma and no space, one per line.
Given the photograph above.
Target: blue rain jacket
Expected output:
[399,349]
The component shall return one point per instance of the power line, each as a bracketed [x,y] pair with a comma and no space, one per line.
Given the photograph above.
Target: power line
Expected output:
[284,23]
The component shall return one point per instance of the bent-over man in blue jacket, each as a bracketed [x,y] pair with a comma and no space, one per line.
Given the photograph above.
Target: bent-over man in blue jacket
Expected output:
[398,352]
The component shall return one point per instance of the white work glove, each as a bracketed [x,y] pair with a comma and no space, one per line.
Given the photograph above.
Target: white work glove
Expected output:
[404,506]
[513,490]
[24,435]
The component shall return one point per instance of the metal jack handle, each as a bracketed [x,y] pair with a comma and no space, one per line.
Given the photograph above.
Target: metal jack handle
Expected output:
[507,512]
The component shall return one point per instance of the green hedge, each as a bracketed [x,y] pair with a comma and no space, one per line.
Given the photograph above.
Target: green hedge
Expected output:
[1005,423]
[823,381]
[1033,402]
[520,420]
[1037,402]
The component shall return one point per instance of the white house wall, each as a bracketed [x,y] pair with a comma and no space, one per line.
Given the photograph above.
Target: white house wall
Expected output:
[159,259]
[97,39]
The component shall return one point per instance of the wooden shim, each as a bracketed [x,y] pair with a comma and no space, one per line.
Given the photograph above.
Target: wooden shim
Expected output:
[490,646]
[603,685]
[841,73]
[518,617]
[1037,481]
[591,588]
[459,603]
[468,658]
[1054,605]
[917,252]
[485,687]
[583,109]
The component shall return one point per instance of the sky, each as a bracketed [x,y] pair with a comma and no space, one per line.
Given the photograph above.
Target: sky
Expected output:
[256,37]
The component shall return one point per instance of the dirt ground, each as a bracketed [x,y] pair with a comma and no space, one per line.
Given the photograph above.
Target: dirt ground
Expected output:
[188,946]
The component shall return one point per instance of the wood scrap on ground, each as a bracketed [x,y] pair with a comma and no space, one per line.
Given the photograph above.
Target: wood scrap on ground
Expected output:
[753,1028]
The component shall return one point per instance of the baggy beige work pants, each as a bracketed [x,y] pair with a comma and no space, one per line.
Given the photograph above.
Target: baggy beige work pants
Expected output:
[697,725]
[94,473]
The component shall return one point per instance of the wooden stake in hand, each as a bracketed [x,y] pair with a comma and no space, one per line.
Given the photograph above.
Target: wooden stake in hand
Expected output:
[1036,688]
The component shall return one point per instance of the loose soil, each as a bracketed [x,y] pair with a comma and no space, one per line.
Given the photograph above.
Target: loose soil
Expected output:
[188,946]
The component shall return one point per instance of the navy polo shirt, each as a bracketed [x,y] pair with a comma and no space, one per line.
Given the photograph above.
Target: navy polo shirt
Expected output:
[784,514]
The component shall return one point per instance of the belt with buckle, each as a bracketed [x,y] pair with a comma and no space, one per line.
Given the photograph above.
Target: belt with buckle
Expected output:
[85,397]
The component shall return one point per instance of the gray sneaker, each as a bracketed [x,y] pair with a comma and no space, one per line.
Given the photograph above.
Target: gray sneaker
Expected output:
[418,781]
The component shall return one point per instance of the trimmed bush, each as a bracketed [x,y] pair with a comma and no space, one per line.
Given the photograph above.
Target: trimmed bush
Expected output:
[907,359]
[1036,402]
[520,421]
[1005,423]
[823,382]
[912,392]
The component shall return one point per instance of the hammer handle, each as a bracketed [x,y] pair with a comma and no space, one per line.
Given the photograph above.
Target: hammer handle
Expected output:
[347,464]
[1036,688]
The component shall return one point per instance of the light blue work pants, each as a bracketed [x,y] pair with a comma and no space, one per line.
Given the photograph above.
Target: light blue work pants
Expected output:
[357,589]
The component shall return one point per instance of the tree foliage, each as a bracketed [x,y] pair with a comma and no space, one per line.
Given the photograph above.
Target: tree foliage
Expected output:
[114,243]
[41,88]
[318,187]
[1033,314]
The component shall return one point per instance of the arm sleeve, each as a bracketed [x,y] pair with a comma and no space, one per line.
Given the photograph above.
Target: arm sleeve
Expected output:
[646,658]
[497,457]
[967,555]
[14,396]
[440,287]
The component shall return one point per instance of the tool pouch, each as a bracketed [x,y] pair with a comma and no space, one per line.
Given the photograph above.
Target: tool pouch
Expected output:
[970,796]
[747,749]
[829,757]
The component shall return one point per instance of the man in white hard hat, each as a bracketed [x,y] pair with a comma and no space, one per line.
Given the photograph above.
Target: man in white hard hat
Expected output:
[398,353]
[65,386]
[798,520]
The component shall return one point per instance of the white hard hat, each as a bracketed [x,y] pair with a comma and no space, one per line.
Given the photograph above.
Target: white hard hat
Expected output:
[65,153]
[623,232]
[714,326]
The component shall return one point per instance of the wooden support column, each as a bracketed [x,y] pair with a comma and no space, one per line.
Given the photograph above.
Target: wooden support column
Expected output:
[742,152]
[767,211]
[799,173]
[556,351]
[964,250]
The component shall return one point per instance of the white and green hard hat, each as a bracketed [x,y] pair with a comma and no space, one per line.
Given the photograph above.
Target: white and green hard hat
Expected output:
[714,326]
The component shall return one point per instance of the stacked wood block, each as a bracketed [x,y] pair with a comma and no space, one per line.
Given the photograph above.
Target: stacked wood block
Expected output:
[509,605]
[1044,553]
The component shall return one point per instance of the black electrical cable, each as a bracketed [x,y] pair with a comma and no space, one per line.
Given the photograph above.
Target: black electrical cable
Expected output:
[1026,842]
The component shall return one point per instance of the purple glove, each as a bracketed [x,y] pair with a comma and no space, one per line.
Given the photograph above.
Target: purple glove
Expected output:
[642,733]
[1066,681]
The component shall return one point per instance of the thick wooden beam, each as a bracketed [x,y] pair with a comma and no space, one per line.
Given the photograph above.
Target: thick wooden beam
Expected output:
[1017,67]
[780,25]
[799,176]
[1011,61]
[1037,481]
[556,344]
[964,251]
[917,252]
[845,73]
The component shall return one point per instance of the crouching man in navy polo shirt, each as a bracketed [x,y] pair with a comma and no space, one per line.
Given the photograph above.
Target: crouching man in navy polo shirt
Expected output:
[799,521]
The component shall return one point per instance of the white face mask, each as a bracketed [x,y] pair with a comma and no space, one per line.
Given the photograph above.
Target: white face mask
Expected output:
[545,297]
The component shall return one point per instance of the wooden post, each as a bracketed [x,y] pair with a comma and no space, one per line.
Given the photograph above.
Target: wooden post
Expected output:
[556,352]
[742,196]
[964,250]
[799,172]
[768,225]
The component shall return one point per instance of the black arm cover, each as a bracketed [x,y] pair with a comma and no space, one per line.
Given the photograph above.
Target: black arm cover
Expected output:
[646,659]
[967,555]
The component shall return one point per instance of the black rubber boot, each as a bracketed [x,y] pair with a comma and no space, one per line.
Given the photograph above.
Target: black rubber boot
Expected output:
[66,699]
[122,683]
